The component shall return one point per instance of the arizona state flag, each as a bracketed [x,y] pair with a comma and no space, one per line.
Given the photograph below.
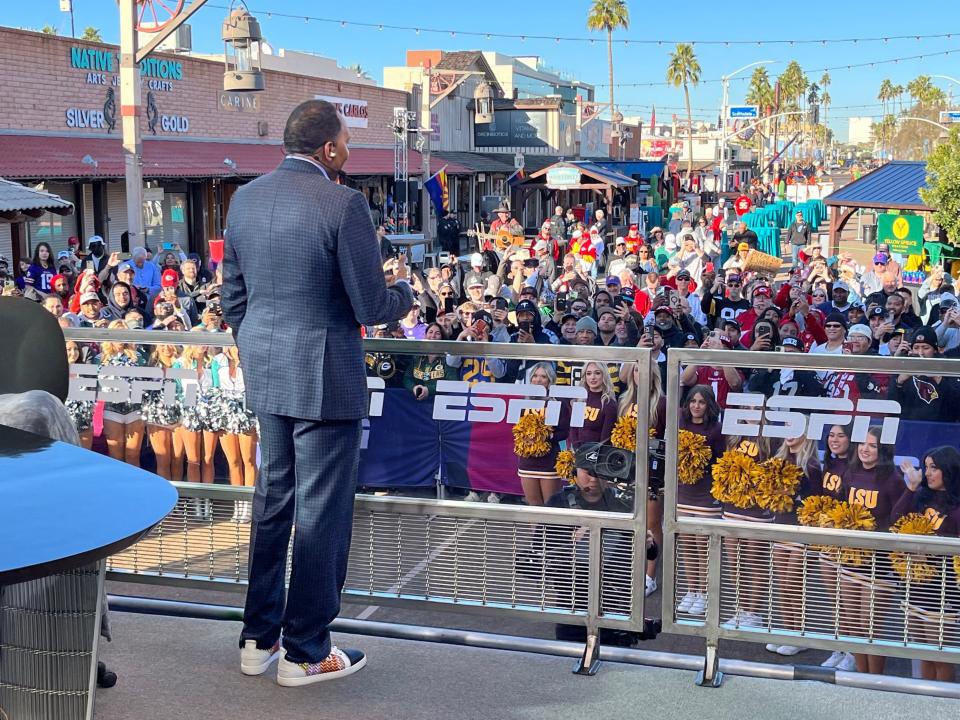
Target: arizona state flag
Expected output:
[439,192]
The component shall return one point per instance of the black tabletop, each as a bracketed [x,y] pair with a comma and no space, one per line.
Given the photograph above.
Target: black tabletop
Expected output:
[62,507]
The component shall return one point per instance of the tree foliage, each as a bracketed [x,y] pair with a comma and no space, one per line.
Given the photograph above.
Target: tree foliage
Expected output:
[943,185]
[609,15]
[91,33]
[49,30]
[683,70]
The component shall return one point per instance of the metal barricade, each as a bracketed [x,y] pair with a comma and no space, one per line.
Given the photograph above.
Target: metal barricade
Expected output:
[874,593]
[567,566]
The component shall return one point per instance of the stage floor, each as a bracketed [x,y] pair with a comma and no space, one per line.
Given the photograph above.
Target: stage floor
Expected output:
[172,667]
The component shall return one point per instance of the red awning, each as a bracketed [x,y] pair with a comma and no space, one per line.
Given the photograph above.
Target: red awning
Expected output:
[50,158]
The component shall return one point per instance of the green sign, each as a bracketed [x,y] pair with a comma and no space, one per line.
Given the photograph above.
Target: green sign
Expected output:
[903,233]
[563,177]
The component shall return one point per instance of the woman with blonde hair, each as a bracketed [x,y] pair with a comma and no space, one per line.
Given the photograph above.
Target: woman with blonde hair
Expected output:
[239,438]
[600,414]
[162,420]
[657,409]
[538,475]
[122,423]
[199,430]
[788,556]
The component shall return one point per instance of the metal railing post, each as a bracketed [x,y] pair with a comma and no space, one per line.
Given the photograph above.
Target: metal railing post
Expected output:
[711,676]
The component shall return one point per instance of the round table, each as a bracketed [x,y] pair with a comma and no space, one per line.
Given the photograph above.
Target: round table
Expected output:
[63,510]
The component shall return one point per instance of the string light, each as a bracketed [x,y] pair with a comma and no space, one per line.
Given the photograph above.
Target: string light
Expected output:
[580,39]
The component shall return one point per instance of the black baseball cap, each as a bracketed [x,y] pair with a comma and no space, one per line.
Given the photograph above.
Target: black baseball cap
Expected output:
[728,321]
[836,317]
[627,295]
[877,312]
[527,306]
[925,335]
[483,315]
[791,342]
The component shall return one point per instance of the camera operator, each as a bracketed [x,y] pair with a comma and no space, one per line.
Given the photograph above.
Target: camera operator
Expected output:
[566,548]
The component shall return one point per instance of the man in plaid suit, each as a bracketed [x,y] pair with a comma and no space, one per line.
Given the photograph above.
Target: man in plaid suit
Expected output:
[301,274]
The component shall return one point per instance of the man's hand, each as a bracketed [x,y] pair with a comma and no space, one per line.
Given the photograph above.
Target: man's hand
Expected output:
[114,259]
[401,272]
[645,341]
[761,343]
[525,337]
[417,284]
[499,316]
[420,392]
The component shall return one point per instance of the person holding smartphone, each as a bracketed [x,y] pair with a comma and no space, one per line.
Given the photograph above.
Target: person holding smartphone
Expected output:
[477,369]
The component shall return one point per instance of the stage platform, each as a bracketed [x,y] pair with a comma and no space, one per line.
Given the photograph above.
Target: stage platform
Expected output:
[172,667]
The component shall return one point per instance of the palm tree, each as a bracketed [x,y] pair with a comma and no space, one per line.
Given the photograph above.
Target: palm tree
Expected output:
[359,71]
[761,95]
[813,116]
[684,70]
[919,88]
[609,15]
[91,33]
[885,95]
[896,93]
[49,30]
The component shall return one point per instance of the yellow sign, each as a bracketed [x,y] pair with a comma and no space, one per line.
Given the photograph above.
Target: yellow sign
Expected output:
[901,228]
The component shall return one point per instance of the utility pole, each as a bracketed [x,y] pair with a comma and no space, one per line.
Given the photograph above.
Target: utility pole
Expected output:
[725,81]
[426,127]
[130,119]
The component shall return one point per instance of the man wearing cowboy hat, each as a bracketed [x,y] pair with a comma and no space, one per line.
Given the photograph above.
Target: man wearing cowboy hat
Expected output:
[503,219]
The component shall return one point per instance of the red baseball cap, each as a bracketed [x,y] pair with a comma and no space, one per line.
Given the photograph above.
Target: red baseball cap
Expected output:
[634,227]
[762,290]
[170,278]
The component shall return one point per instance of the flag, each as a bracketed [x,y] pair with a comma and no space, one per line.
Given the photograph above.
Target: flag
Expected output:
[518,177]
[438,190]
[653,120]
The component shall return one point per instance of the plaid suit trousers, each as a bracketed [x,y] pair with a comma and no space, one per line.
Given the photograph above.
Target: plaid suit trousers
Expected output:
[308,477]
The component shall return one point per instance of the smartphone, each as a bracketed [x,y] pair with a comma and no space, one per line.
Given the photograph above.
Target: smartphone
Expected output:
[762,331]
[617,301]
[848,345]
[168,245]
[649,331]
[526,326]
[125,256]
[574,295]
[443,258]
[449,304]
[480,326]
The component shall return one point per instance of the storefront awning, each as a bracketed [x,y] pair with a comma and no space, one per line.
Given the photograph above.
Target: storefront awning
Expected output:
[34,157]
[19,203]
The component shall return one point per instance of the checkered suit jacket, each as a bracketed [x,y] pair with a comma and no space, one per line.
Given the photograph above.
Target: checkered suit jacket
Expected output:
[301,273]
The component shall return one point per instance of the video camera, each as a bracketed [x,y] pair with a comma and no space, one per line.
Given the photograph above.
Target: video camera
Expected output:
[618,466]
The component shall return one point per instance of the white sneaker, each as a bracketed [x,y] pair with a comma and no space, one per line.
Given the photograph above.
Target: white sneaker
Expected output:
[254,661]
[237,511]
[685,603]
[832,661]
[651,586]
[699,605]
[750,620]
[246,510]
[734,619]
[848,663]
[339,663]
[789,650]
[472,496]
[493,497]
[772,647]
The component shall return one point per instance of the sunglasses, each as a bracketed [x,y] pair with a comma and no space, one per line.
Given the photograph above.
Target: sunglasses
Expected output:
[734,283]
[446,294]
[833,326]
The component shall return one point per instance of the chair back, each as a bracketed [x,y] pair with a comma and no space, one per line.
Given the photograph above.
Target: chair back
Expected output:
[32,352]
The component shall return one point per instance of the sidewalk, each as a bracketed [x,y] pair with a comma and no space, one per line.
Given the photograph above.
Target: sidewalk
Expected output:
[188,669]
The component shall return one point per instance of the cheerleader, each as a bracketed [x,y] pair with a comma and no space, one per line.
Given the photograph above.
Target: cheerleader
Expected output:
[162,420]
[601,412]
[80,411]
[657,404]
[934,491]
[750,559]
[538,475]
[699,414]
[788,557]
[122,423]
[239,438]
[836,460]
[200,426]
[871,480]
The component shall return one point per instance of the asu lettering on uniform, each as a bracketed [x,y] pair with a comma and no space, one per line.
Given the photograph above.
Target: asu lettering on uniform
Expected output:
[831,482]
[459,400]
[779,420]
[861,496]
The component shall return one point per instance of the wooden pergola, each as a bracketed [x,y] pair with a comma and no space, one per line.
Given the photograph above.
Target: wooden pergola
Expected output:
[19,205]
[577,175]
[894,186]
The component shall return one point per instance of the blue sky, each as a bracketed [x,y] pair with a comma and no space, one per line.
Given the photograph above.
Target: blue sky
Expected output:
[635,63]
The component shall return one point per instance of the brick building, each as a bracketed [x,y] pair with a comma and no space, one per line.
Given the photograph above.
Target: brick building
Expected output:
[60,126]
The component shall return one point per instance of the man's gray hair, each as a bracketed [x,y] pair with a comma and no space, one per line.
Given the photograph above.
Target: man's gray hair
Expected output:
[138,252]
[311,125]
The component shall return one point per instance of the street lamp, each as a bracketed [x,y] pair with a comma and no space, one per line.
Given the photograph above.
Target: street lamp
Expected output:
[241,51]
[725,80]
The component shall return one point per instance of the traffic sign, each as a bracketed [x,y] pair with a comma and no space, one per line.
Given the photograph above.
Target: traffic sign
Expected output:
[950,116]
[743,112]
[742,205]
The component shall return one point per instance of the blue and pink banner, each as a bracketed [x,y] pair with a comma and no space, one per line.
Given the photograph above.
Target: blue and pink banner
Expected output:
[406,447]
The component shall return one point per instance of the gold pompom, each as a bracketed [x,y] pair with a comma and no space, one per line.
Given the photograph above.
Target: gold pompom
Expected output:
[814,510]
[913,566]
[566,465]
[733,479]
[692,458]
[956,568]
[775,484]
[624,435]
[530,436]
[847,516]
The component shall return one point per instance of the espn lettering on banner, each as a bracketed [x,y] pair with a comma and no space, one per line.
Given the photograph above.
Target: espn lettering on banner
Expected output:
[458,400]
[788,416]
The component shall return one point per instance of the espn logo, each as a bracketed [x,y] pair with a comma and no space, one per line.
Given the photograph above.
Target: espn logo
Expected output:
[458,400]
[121,384]
[751,414]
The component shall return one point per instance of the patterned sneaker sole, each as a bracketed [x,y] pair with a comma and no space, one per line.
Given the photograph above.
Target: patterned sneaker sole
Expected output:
[248,669]
[320,677]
